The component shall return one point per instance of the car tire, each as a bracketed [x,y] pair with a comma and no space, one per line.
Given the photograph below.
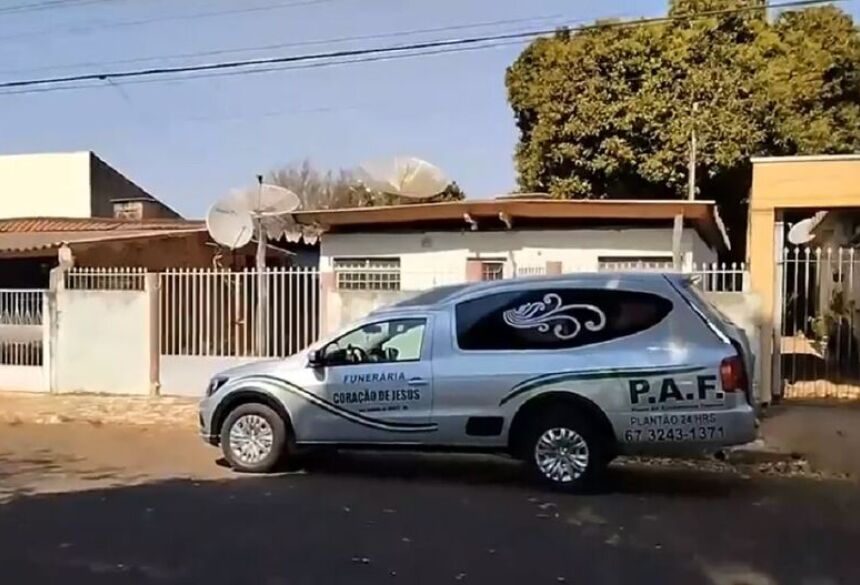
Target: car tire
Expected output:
[253,438]
[564,451]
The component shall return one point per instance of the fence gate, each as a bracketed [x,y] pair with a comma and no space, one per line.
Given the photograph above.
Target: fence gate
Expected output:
[818,343]
[210,313]
[22,353]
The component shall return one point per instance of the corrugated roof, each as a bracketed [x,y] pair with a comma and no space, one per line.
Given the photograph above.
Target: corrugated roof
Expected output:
[35,241]
[533,211]
[91,224]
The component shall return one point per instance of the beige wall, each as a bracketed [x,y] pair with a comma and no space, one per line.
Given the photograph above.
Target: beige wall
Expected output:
[51,185]
[104,342]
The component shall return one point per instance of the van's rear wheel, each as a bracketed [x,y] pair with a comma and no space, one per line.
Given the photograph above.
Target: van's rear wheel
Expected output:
[564,450]
[253,437]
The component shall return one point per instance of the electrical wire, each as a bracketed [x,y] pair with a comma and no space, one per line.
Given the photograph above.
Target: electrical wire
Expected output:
[167,18]
[308,43]
[48,5]
[274,68]
[249,65]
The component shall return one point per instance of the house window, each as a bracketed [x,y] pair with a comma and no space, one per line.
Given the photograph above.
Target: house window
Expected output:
[367,273]
[492,270]
[640,263]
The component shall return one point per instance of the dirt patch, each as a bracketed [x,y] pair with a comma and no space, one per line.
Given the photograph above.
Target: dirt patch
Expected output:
[39,458]
[19,408]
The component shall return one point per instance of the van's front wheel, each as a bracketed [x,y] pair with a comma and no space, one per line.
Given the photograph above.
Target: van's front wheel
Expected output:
[564,451]
[253,438]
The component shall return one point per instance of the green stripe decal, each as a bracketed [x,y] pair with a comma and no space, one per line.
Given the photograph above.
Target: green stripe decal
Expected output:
[557,377]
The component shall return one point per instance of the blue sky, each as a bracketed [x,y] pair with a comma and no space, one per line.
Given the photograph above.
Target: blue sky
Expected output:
[188,142]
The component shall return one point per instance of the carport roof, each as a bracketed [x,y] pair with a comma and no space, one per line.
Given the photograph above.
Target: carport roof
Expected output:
[29,242]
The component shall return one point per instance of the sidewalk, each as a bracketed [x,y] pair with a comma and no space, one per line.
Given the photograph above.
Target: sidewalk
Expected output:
[20,407]
[827,435]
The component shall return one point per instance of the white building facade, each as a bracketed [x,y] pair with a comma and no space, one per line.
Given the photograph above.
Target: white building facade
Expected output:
[373,256]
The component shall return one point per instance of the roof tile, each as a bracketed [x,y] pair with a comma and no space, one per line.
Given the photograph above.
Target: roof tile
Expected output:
[87,224]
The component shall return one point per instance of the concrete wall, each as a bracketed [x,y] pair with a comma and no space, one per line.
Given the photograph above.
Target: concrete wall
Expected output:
[104,342]
[189,375]
[344,307]
[744,309]
[24,379]
[50,185]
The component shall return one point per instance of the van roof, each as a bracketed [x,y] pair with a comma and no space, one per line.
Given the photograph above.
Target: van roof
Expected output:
[442,295]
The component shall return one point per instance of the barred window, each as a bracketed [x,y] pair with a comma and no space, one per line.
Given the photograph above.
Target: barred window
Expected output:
[492,270]
[367,273]
[634,263]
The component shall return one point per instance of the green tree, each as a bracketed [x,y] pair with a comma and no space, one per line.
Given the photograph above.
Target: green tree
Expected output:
[608,111]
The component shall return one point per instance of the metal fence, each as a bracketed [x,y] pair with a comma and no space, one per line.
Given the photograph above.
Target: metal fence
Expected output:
[21,353]
[709,276]
[21,306]
[818,353]
[105,279]
[217,313]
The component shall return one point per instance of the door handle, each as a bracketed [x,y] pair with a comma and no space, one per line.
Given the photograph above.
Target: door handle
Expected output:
[417,382]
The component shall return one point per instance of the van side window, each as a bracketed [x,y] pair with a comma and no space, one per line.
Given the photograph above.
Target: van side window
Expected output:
[555,318]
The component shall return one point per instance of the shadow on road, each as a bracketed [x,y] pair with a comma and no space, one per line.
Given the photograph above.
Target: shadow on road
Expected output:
[371,519]
[471,470]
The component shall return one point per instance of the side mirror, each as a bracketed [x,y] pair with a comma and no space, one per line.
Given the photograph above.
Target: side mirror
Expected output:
[315,358]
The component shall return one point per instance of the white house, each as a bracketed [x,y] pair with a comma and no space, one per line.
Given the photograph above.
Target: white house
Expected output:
[71,184]
[371,255]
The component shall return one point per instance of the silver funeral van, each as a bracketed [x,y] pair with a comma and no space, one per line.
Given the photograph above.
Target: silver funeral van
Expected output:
[563,372]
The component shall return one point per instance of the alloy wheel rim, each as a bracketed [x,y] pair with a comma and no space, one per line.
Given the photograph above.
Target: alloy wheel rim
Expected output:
[251,439]
[561,455]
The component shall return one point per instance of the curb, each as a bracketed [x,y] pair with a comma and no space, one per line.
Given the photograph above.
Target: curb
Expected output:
[757,452]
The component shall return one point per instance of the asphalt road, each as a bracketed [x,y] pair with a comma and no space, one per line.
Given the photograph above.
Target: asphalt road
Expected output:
[370,518]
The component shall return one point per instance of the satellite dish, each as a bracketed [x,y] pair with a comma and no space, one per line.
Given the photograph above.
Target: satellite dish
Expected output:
[405,177]
[271,200]
[232,221]
[801,232]
[228,225]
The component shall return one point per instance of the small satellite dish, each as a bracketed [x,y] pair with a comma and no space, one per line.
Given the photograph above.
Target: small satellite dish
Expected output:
[228,225]
[405,177]
[271,200]
[233,219]
[801,232]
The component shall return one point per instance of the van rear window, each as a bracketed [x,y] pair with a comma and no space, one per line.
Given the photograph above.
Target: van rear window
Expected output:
[550,319]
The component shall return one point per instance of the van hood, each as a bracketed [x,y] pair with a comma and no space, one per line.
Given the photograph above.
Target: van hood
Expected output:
[298,360]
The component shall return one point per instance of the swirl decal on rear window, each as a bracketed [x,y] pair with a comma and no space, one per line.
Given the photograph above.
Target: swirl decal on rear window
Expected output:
[551,315]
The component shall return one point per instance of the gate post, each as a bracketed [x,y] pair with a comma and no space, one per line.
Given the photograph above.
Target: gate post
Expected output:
[151,286]
[761,251]
[775,390]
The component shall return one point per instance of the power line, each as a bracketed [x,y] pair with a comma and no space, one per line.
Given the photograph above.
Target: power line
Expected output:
[274,68]
[313,42]
[250,64]
[167,18]
[48,5]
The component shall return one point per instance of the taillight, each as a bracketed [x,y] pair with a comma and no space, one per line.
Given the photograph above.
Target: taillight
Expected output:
[732,374]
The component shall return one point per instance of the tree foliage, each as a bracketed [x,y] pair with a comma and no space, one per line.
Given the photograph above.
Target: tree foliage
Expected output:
[329,190]
[608,111]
